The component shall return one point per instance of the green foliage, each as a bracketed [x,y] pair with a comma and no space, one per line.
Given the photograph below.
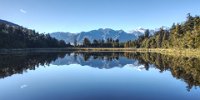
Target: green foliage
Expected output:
[86,42]
[101,43]
[185,35]
[20,37]
[146,33]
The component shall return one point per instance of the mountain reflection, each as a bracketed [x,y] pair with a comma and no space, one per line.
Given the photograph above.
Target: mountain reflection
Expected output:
[183,68]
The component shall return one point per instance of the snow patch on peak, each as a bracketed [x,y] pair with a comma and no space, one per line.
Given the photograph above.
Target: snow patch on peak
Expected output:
[139,29]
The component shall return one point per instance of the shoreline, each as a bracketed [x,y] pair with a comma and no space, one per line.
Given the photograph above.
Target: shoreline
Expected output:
[171,51]
[33,50]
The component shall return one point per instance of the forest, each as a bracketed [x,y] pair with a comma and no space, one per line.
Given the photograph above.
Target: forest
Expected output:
[185,35]
[20,37]
[108,43]
[181,35]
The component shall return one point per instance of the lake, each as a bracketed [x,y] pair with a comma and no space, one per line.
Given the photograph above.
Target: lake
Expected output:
[98,76]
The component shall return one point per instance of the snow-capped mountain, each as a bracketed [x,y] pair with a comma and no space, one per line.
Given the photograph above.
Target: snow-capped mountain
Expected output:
[140,31]
[99,35]
[106,33]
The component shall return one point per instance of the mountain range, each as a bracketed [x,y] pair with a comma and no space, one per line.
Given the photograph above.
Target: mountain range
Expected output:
[8,23]
[100,34]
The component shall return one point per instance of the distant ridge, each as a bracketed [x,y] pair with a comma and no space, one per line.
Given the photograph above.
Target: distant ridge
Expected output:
[100,34]
[8,23]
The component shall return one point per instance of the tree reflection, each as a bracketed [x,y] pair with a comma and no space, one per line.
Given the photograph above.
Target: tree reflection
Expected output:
[12,64]
[184,68]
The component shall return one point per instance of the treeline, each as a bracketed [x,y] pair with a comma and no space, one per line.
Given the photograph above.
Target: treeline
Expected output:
[109,43]
[20,37]
[184,35]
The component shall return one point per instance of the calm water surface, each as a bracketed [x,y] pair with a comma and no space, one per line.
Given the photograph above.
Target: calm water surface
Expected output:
[98,76]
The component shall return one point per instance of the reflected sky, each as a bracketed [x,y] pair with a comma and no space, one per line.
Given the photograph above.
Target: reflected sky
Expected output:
[80,79]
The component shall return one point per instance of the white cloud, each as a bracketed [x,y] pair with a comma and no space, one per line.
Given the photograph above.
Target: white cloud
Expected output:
[23,11]
[23,86]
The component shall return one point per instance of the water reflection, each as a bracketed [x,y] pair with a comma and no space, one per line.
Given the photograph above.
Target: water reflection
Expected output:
[184,68]
[13,64]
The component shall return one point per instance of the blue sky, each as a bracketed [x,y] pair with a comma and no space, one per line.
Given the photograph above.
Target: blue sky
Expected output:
[84,15]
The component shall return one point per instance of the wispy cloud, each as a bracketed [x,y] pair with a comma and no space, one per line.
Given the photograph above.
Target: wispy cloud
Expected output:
[23,86]
[23,11]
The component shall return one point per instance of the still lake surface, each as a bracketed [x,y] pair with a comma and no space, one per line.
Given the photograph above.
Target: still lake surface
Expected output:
[98,76]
